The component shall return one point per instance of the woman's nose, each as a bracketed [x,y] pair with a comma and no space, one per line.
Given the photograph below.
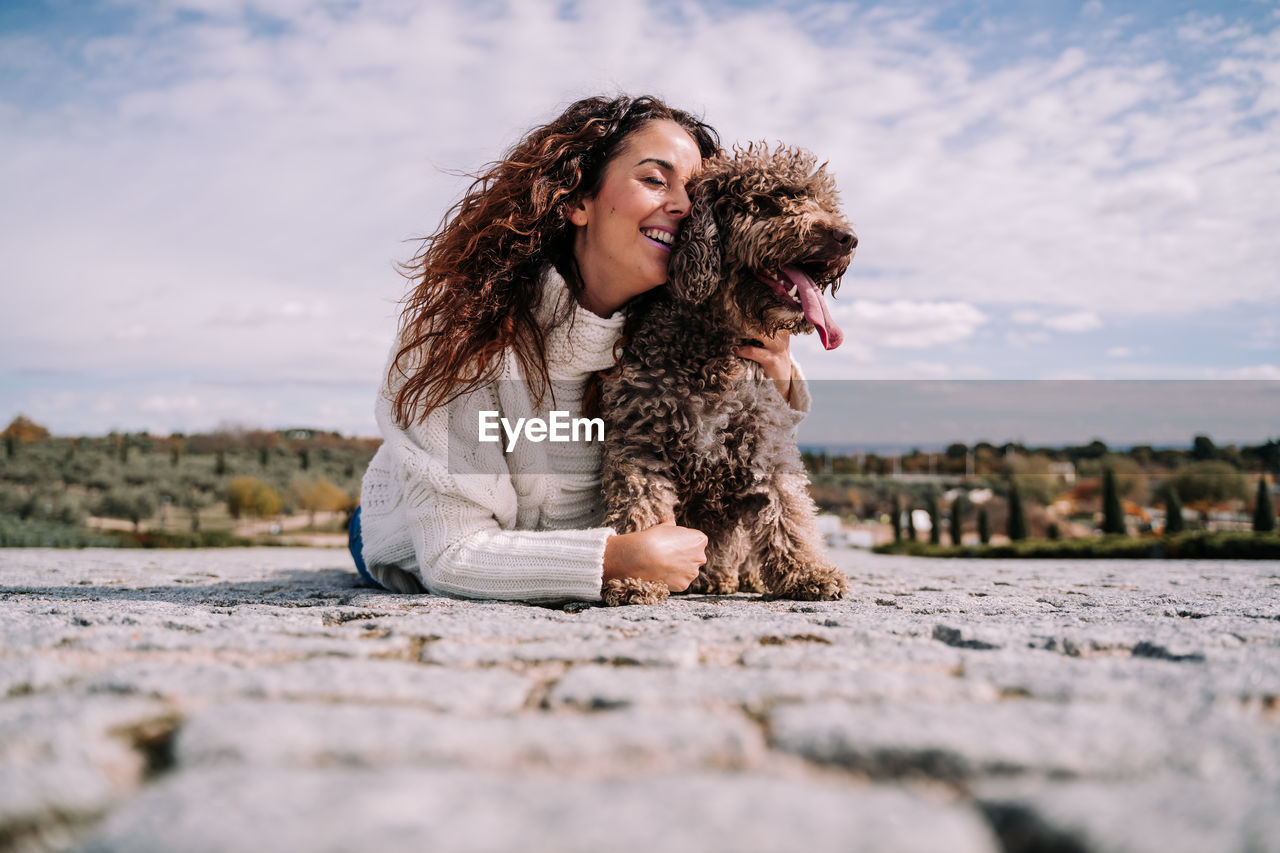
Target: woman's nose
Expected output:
[678,203]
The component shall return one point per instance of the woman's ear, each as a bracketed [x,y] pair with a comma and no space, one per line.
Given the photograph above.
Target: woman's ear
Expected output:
[576,211]
[693,272]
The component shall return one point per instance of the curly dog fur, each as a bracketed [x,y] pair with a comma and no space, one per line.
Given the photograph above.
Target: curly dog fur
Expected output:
[695,433]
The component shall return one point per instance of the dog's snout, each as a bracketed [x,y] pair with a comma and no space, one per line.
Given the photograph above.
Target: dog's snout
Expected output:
[845,239]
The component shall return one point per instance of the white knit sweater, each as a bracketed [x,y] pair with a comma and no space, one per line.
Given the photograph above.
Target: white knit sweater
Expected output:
[445,512]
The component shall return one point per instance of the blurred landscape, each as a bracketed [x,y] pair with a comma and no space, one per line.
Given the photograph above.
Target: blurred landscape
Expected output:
[242,486]
[231,486]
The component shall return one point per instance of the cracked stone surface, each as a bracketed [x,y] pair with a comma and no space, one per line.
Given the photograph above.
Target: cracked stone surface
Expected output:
[261,699]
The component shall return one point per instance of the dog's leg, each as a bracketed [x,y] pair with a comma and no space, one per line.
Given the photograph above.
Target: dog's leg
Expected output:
[725,555]
[794,564]
[749,579]
[635,498]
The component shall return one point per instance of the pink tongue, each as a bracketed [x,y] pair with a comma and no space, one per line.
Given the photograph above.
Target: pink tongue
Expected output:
[815,310]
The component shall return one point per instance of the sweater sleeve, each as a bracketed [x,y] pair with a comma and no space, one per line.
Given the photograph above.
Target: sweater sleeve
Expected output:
[459,502]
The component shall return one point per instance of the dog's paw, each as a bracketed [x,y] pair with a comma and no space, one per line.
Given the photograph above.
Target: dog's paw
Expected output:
[720,584]
[825,583]
[618,592]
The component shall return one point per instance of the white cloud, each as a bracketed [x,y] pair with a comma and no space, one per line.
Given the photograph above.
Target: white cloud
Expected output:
[160,404]
[1022,340]
[134,332]
[1119,352]
[1257,371]
[1078,321]
[910,325]
[204,168]
[1073,321]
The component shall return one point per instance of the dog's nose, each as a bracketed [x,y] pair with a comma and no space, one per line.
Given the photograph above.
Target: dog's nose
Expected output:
[846,240]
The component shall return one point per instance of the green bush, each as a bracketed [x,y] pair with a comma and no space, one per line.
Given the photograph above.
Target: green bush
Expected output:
[16,533]
[1186,546]
[1017,515]
[1112,509]
[180,539]
[1264,514]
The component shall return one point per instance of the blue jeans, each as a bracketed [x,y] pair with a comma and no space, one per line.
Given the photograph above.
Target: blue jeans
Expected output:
[356,545]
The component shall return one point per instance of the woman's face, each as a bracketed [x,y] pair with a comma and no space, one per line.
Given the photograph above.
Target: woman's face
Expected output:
[624,232]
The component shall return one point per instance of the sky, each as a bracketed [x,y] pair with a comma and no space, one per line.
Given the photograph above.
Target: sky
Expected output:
[204,201]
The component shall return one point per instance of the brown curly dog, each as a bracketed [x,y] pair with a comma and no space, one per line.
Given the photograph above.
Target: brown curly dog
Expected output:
[695,433]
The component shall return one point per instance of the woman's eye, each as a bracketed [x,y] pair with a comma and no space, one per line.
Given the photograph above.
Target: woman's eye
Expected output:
[657,182]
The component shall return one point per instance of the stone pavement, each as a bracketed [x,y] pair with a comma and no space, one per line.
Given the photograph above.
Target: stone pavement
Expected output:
[261,700]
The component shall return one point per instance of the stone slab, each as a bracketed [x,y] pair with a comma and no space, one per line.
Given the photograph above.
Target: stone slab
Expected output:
[305,734]
[401,809]
[263,698]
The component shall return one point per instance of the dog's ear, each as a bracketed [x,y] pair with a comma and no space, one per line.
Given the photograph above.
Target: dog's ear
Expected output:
[694,269]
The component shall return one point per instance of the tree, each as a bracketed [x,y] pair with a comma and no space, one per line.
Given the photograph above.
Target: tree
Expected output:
[1208,483]
[193,499]
[1173,522]
[130,505]
[1112,509]
[1033,474]
[1203,448]
[23,430]
[895,518]
[935,527]
[1017,516]
[911,523]
[984,526]
[319,495]
[957,519]
[1264,514]
[250,496]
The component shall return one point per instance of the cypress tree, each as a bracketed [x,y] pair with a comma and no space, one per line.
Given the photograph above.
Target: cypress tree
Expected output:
[1017,517]
[1112,509]
[1173,512]
[220,463]
[1264,514]
[935,522]
[896,519]
[984,526]
[911,523]
[957,520]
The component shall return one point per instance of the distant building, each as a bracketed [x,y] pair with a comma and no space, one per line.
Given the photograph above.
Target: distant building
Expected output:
[1065,470]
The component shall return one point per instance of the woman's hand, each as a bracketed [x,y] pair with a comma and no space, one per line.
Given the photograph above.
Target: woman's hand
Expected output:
[665,553]
[775,357]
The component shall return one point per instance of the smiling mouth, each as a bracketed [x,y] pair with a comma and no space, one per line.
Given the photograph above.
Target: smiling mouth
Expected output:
[659,237]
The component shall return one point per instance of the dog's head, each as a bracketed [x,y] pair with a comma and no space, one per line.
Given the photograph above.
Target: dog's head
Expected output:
[763,240]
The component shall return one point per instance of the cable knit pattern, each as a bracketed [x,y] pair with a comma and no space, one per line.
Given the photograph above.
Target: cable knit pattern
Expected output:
[446,513]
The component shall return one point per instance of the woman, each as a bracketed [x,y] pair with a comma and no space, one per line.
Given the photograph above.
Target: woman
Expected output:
[516,305]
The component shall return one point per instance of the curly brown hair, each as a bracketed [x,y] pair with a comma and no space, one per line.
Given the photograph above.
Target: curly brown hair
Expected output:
[475,280]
